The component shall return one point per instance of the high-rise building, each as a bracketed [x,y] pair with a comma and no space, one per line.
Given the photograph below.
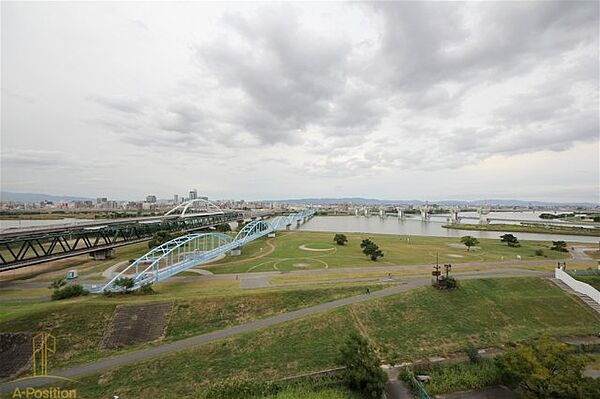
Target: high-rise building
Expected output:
[151,199]
[100,200]
[176,199]
[193,194]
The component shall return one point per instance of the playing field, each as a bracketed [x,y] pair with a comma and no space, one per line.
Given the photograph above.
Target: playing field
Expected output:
[313,250]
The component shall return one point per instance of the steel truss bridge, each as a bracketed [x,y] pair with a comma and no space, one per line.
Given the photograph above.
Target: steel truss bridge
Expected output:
[183,253]
[30,246]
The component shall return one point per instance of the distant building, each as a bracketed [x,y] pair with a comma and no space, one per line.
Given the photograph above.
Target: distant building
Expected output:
[176,199]
[151,199]
[101,200]
[193,194]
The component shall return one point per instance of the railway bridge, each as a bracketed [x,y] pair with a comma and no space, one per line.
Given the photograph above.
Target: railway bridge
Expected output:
[33,245]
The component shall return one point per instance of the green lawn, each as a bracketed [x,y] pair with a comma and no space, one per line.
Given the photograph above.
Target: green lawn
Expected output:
[415,324]
[399,250]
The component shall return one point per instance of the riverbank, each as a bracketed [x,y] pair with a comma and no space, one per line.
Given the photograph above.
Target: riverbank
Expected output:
[570,230]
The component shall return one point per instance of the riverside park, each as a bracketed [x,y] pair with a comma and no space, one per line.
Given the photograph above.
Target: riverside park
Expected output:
[273,321]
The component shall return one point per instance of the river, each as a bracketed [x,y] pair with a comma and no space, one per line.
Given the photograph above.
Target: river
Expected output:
[414,226]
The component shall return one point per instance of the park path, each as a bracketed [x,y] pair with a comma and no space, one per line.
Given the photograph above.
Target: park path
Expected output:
[171,347]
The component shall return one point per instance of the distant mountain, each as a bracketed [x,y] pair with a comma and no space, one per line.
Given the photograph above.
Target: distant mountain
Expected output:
[6,196]
[487,202]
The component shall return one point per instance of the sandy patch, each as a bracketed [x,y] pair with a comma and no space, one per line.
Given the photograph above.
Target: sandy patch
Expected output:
[305,248]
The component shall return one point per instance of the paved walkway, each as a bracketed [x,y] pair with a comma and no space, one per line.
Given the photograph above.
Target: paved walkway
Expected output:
[145,354]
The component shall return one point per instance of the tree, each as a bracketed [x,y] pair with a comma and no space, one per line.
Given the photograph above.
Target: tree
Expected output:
[159,238]
[510,240]
[560,246]
[363,372]
[469,241]
[546,369]
[366,243]
[375,253]
[223,227]
[340,239]
[371,249]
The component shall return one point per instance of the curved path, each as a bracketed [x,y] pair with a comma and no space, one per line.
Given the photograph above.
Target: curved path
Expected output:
[145,354]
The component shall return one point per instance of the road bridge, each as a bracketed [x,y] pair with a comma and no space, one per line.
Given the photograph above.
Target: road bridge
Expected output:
[183,253]
[33,245]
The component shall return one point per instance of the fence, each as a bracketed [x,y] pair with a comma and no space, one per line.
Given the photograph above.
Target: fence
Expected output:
[418,387]
[577,285]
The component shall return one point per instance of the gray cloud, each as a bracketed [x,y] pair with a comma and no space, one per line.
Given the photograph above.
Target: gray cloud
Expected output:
[299,93]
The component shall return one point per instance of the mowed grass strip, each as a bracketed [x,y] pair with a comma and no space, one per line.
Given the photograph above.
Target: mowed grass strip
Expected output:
[259,256]
[481,313]
[416,324]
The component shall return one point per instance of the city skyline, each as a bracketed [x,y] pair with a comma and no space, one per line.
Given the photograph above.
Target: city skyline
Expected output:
[274,101]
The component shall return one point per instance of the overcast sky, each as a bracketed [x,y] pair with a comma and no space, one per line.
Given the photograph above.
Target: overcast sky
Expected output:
[267,101]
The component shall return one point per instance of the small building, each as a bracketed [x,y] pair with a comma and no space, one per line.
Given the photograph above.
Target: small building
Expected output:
[72,274]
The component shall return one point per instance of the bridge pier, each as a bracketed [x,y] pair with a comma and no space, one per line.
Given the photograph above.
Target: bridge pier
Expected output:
[288,226]
[271,235]
[103,254]
[236,251]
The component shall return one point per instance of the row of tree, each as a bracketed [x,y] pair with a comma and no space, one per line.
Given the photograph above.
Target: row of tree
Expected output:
[511,241]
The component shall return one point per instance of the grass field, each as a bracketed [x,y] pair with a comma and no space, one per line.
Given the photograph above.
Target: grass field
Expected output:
[283,253]
[481,313]
[411,325]
[200,307]
[569,230]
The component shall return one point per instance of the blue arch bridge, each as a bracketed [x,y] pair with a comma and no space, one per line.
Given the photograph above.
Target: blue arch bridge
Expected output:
[183,253]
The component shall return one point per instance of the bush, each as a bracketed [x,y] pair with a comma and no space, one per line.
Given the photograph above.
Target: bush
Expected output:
[539,252]
[124,282]
[446,378]
[363,372]
[473,354]
[69,292]
[560,246]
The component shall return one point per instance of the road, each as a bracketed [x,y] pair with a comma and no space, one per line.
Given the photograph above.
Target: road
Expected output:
[145,354]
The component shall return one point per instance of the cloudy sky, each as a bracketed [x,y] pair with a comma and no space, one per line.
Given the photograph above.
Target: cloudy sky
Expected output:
[265,101]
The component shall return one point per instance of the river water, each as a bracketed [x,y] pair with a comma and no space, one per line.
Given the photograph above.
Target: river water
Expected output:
[16,223]
[414,226]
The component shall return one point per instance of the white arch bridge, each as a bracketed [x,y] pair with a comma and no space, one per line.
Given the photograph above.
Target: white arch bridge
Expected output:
[183,253]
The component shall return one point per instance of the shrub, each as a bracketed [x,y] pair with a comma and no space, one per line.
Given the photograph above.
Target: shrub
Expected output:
[560,246]
[124,282]
[473,354]
[69,292]
[363,372]
[446,378]
[539,252]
